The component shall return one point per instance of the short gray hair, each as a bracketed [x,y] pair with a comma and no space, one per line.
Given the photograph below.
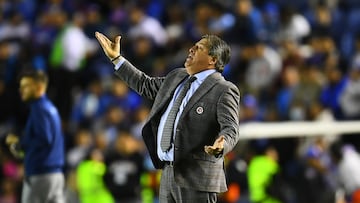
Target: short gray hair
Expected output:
[219,49]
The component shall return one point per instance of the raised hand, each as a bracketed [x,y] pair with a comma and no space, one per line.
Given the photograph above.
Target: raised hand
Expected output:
[111,49]
[217,148]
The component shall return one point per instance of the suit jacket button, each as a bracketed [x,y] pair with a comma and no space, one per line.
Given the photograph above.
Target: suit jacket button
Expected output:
[176,148]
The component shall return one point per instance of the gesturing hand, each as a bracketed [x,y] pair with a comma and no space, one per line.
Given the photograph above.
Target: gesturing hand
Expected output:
[217,147]
[111,49]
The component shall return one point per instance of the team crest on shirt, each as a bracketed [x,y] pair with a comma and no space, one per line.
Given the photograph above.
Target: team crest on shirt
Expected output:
[199,110]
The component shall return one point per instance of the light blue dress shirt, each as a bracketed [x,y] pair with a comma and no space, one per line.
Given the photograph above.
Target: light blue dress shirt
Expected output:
[169,155]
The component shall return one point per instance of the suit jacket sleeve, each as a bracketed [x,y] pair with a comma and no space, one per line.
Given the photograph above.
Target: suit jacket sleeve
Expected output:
[228,117]
[138,81]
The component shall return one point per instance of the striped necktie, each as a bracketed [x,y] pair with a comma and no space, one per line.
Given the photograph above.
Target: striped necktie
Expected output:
[170,120]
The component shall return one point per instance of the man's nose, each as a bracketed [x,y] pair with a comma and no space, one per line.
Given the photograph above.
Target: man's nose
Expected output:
[191,50]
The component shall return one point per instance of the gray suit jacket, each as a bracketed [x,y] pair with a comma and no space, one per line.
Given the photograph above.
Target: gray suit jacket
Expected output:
[210,112]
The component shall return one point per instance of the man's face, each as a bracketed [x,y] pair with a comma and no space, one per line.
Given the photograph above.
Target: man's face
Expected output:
[28,89]
[199,58]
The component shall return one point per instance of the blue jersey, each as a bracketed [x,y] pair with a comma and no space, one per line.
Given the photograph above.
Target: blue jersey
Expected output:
[43,141]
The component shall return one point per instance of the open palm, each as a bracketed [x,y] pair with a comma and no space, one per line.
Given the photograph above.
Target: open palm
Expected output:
[217,147]
[111,49]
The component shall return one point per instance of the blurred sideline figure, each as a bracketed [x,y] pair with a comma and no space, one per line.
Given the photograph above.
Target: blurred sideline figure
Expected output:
[42,143]
[262,168]
[89,176]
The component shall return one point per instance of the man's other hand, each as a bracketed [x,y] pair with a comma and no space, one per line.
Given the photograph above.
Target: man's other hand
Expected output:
[217,148]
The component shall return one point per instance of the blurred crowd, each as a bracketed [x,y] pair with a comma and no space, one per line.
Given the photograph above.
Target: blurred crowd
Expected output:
[293,60]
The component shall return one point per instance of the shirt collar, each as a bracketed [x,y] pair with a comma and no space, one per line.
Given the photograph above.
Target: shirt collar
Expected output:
[201,76]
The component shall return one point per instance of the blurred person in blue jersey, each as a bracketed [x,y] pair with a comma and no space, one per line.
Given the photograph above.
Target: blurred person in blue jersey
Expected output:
[42,143]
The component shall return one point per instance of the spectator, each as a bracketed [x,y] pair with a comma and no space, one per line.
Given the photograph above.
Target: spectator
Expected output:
[347,160]
[89,175]
[248,24]
[349,100]
[15,29]
[263,69]
[332,91]
[318,171]
[125,167]
[82,143]
[147,26]
[69,54]
[43,143]
[89,106]
[290,82]
[292,25]
[261,170]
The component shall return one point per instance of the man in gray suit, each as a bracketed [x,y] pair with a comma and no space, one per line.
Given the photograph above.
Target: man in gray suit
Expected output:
[203,119]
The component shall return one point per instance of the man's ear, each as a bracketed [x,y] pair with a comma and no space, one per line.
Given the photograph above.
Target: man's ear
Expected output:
[213,61]
[41,87]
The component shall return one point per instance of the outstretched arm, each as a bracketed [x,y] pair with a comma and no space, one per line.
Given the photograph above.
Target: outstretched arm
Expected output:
[111,49]
[228,118]
[136,79]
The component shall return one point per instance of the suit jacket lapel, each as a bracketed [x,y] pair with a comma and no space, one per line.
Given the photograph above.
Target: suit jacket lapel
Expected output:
[168,88]
[209,82]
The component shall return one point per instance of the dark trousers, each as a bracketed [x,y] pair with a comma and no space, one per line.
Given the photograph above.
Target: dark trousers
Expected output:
[170,192]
